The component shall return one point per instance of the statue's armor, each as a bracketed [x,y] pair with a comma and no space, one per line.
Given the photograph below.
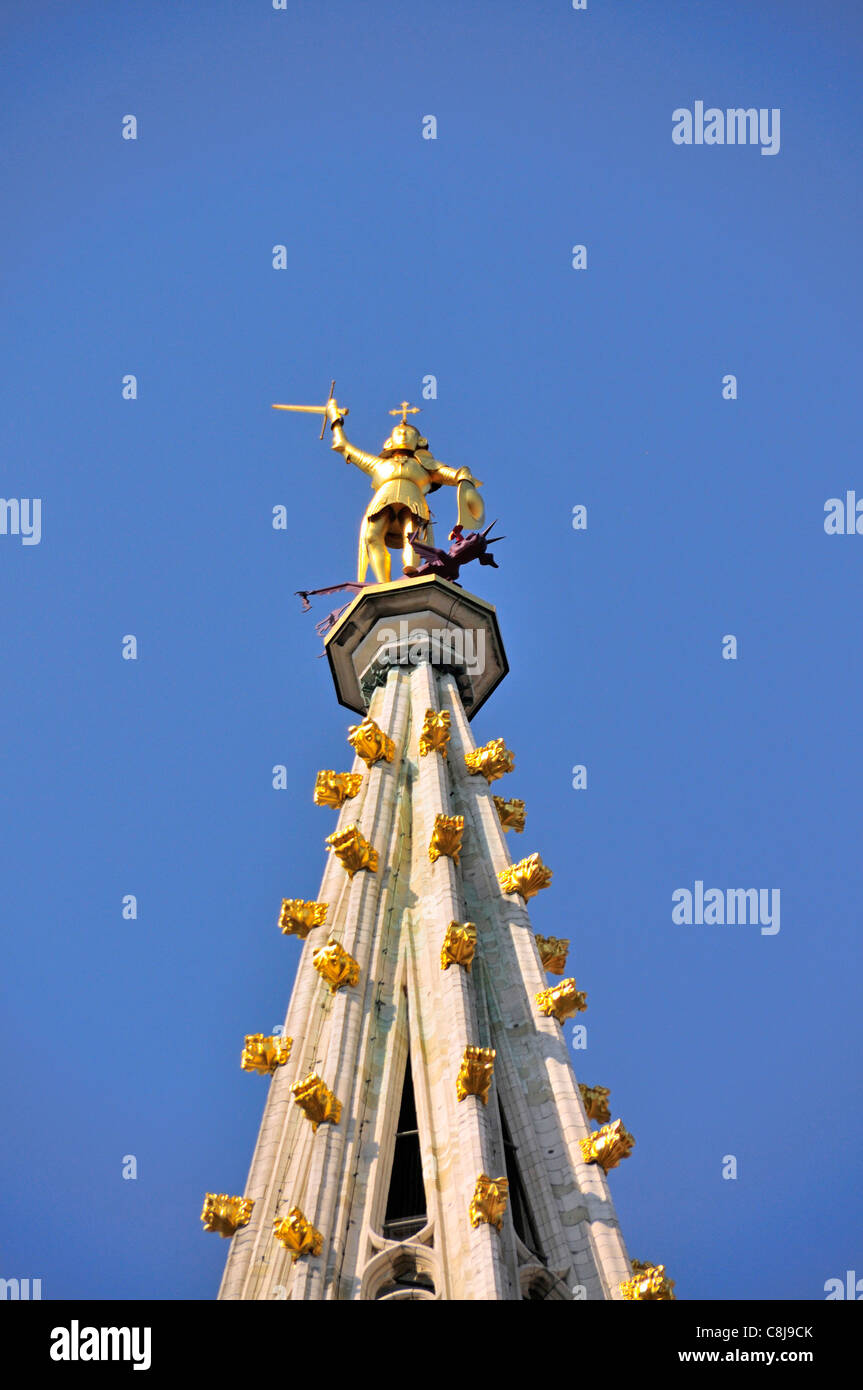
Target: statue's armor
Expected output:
[400,480]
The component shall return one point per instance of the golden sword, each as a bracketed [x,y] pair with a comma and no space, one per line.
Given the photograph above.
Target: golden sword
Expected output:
[315,409]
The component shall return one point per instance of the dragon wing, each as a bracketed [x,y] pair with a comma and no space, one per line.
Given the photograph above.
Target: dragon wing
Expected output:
[428,552]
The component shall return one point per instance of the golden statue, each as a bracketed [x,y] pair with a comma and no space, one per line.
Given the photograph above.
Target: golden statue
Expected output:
[402,475]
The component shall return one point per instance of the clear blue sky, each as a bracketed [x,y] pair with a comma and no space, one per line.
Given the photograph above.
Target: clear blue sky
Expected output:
[603,387]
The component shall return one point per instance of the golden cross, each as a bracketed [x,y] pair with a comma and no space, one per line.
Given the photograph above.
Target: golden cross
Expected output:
[406,410]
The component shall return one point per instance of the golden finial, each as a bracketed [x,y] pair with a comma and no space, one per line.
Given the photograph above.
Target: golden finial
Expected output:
[459,945]
[475,1073]
[607,1146]
[298,1235]
[648,1284]
[489,1201]
[225,1214]
[446,837]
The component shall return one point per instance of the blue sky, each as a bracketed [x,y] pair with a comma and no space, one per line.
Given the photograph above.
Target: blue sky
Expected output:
[451,257]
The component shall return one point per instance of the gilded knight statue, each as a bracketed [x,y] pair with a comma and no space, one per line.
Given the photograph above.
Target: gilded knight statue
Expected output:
[402,474]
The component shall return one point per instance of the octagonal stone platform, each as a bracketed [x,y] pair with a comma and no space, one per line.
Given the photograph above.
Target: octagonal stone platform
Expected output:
[410,621]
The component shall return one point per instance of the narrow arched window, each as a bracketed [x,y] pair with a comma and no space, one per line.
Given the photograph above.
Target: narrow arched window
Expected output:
[519,1205]
[406,1202]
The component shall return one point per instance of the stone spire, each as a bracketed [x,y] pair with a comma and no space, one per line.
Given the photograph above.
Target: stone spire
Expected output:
[424,1135]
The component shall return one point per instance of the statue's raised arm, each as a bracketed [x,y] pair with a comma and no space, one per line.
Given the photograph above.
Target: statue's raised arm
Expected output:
[367,462]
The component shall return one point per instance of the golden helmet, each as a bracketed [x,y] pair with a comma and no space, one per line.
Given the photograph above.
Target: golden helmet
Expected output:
[403,440]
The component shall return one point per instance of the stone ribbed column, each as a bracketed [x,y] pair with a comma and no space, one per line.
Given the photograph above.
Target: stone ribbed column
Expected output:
[463,1137]
[570,1200]
[359,931]
[280,1168]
